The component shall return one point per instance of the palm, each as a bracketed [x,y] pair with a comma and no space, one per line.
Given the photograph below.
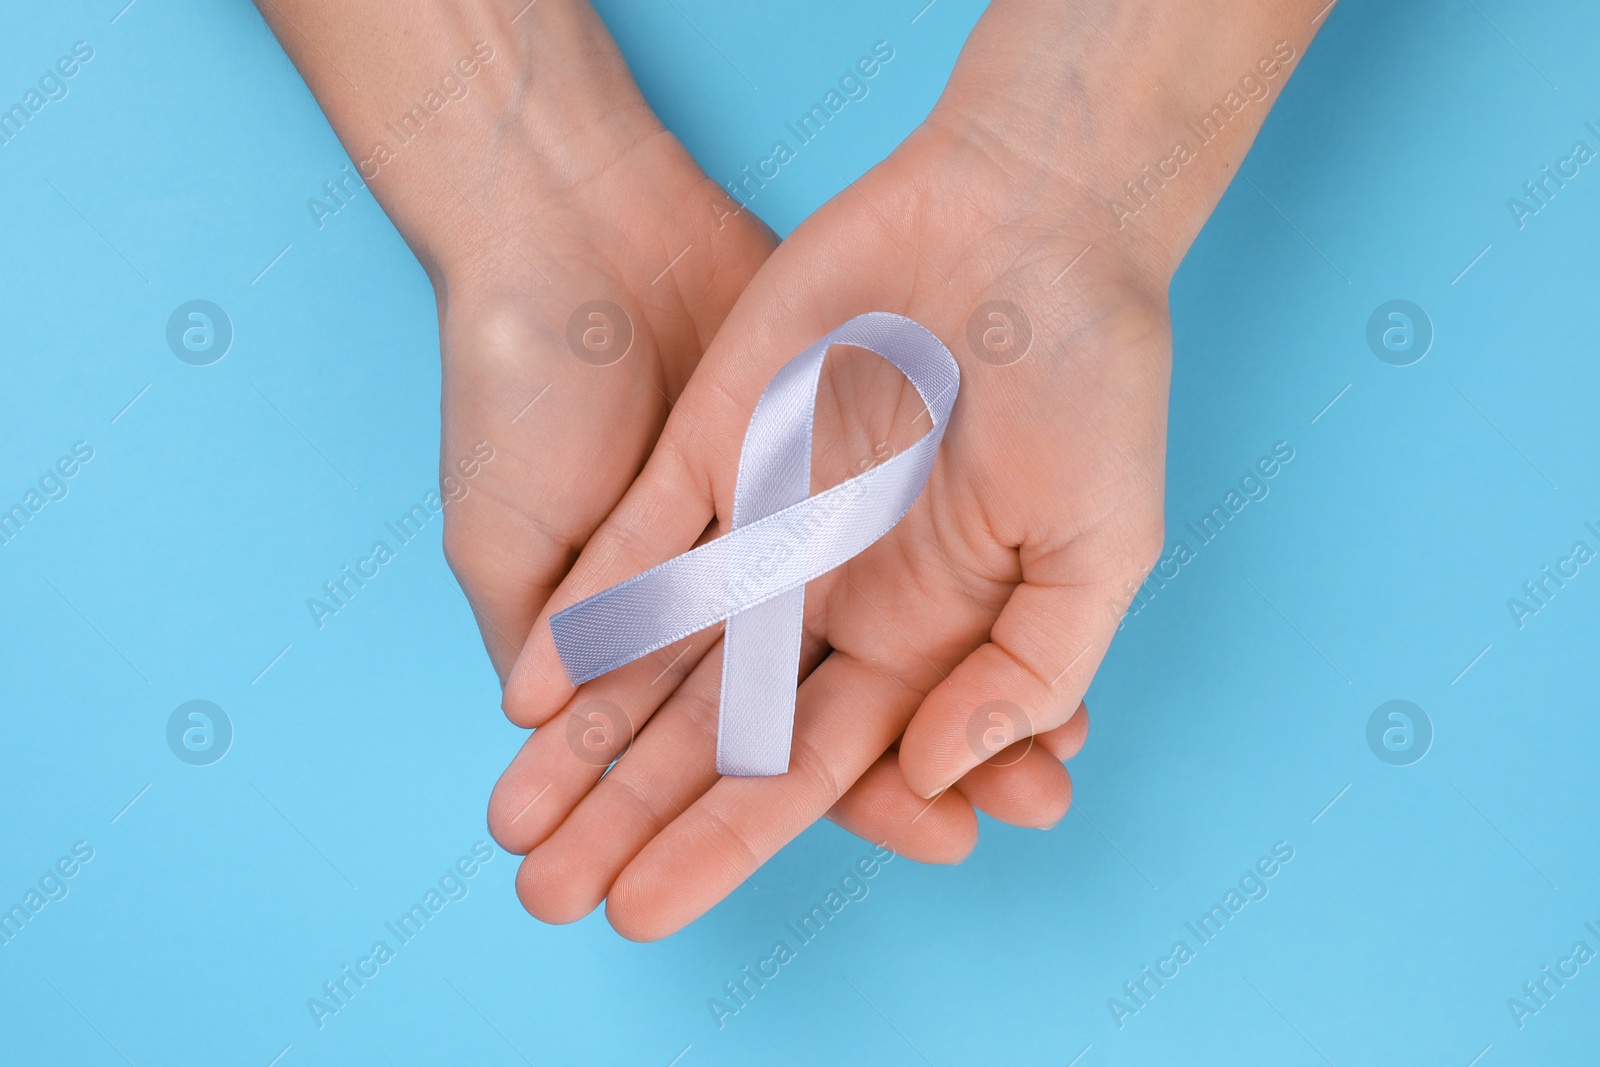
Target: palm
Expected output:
[1044,502]
[569,429]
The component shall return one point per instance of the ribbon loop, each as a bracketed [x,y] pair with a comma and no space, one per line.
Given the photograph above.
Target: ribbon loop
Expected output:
[754,577]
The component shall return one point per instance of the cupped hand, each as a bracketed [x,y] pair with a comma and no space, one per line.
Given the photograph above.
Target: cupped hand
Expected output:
[972,628]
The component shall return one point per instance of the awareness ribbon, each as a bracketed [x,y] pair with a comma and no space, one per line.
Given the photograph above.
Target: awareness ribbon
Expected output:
[754,577]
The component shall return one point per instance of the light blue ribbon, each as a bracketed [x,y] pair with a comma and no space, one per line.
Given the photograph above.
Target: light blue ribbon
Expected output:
[754,577]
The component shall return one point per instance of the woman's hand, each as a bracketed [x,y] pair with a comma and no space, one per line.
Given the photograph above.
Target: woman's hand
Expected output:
[581,261]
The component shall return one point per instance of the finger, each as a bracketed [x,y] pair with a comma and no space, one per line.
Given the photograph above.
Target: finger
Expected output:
[565,757]
[549,777]
[671,765]
[1028,678]
[880,808]
[1023,785]
[662,515]
[847,715]
[1066,740]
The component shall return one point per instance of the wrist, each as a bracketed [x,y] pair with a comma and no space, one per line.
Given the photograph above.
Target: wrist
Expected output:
[1038,202]
[553,108]
[451,110]
[1136,128]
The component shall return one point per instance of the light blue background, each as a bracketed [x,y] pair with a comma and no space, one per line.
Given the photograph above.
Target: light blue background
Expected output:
[178,568]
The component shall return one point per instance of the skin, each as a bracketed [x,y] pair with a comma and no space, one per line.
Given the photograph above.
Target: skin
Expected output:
[549,184]
[1007,579]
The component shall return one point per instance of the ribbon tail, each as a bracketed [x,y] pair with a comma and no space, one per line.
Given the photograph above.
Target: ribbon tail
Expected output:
[760,664]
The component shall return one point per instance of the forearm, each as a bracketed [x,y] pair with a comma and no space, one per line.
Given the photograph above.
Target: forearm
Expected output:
[431,97]
[1141,111]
